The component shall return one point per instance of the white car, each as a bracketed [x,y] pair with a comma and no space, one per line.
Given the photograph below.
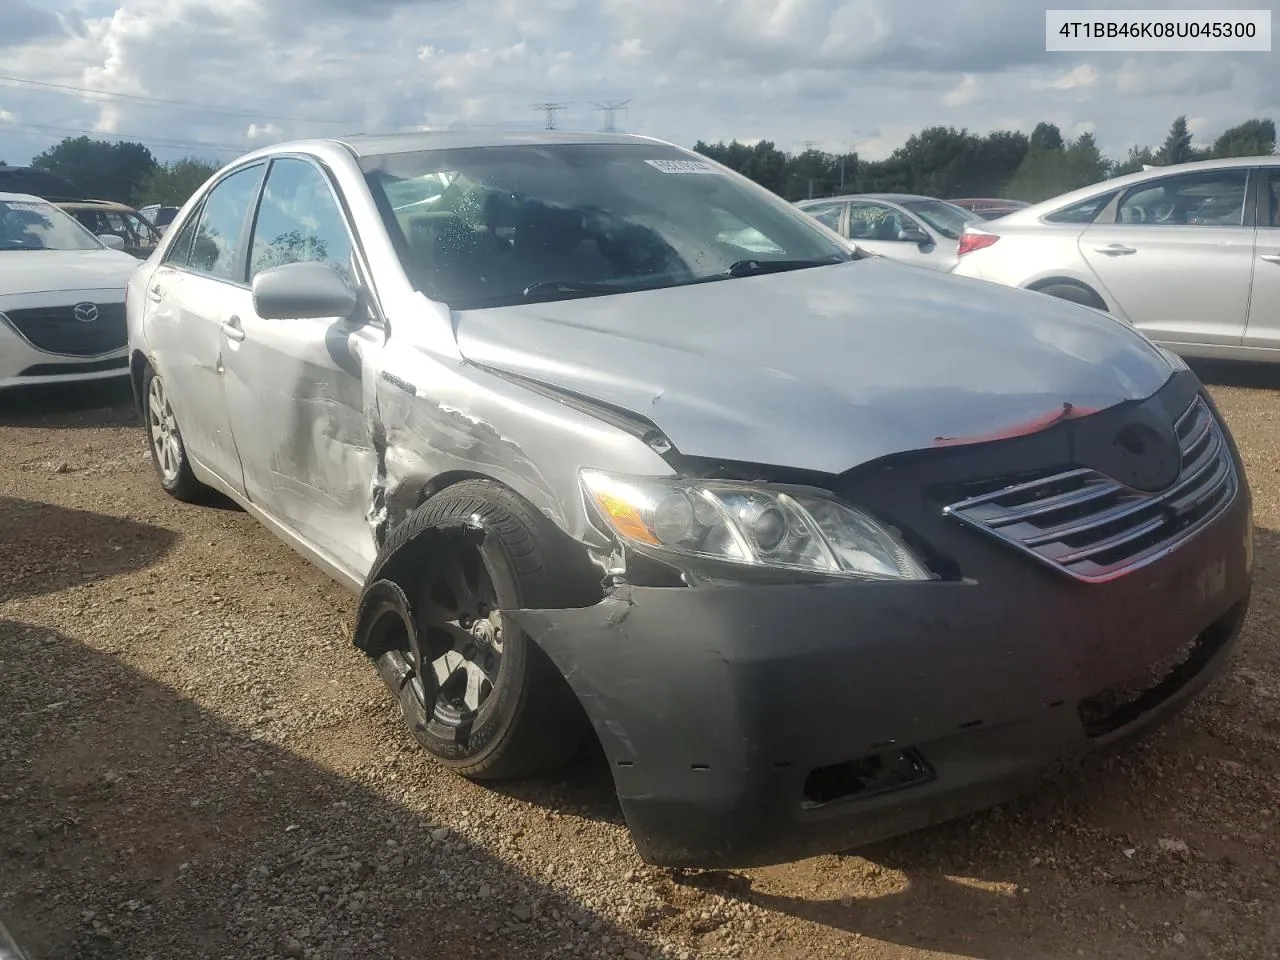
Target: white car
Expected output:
[61,297]
[920,231]
[1188,254]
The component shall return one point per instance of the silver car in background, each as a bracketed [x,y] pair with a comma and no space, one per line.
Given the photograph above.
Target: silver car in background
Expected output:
[920,231]
[613,442]
[1189,254]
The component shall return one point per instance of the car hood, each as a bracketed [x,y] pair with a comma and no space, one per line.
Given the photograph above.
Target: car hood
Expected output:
[43,271]
[825,368]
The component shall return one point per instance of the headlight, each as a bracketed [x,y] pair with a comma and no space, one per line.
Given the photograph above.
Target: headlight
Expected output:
[749,524]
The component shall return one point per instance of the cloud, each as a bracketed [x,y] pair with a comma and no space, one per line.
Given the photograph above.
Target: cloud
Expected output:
[21,21]
[238,73]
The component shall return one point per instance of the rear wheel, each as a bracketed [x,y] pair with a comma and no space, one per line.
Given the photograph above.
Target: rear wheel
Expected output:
[477,693]
[1076,293]
[168,455]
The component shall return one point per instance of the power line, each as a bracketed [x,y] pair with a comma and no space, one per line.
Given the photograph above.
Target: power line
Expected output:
[106,96]
[145,141]
[551,109]
[611,109]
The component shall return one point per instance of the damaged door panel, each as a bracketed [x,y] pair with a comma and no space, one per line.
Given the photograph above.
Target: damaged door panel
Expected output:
[296,385]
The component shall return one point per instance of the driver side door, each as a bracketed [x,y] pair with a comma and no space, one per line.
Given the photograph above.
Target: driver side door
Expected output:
[876,226]
[296,388]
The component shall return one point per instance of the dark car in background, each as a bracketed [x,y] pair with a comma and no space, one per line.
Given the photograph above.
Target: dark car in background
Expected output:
[37,183]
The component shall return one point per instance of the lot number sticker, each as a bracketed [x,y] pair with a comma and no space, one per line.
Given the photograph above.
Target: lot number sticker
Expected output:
[682,166]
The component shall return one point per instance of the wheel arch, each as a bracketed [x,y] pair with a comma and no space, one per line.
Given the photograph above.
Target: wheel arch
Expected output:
[1043,283]
[138,364]
[407,539]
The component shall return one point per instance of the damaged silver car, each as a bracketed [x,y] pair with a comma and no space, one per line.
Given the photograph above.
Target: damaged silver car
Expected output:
[613,442]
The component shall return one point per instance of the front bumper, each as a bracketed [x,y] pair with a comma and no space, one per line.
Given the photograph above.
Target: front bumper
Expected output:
[748,725]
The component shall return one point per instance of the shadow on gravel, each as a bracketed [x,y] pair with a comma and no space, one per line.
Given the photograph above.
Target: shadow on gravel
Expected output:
[73,406]
[135,824]
[1231,373]
[46,548]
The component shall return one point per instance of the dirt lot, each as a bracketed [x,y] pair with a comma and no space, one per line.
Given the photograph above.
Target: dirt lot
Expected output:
[195,763]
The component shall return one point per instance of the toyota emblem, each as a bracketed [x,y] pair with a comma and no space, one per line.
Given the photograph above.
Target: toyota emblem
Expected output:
[85,312]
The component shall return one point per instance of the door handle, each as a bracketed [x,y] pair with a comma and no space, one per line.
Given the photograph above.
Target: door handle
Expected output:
[231,329]
[1270,257]
[1115,249]
[155,293]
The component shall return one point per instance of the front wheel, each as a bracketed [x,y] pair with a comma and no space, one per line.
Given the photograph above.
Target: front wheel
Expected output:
[168,454]
[477,693]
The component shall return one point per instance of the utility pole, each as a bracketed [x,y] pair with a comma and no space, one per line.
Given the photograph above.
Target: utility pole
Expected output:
[551,109]
[610,108]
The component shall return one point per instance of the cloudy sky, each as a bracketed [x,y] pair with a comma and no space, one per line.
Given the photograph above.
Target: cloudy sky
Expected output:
[216,77]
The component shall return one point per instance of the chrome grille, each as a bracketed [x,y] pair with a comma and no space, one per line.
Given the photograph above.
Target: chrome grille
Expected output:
[1094,528]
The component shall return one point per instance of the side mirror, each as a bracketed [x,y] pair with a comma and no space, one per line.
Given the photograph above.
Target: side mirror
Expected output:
[303,291]
[915,235]
[111,241]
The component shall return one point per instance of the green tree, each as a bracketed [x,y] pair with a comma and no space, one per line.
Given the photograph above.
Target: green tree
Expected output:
[101,169]
[172,184]
[1138,158]
[1049,172]
[1253,138]
[763,162]
[1177,145]
[1046,136]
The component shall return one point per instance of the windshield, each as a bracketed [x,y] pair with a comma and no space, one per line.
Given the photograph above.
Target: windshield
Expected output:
[31,225]
[946,218]
[494,226]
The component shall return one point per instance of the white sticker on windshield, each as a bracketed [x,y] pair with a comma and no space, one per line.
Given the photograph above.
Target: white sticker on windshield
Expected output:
[682,166]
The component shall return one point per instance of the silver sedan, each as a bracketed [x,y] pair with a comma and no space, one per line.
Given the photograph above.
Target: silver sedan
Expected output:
[1188,254]
[921,231]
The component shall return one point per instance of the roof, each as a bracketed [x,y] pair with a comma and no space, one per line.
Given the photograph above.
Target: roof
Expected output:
[94,205]
[1037,210]
[20,198]
[891,197]
[365,145]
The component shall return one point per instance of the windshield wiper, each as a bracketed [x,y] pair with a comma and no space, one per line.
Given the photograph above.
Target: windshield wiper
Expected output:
[751,268]
[572,288]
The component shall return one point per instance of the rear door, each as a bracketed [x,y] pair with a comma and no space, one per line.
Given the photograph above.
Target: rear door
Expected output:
[296,388]
[1264,303]
[1176,255]
[190,299]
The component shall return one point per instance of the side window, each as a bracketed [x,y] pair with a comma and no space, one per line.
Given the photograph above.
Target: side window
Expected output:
[1083,212]
[828,215]
[178,254]
[872,221]
[1269,209]
[299,221]
[1212,198]
[216,247]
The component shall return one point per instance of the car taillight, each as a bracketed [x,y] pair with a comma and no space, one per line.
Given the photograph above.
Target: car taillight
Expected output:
[970,242]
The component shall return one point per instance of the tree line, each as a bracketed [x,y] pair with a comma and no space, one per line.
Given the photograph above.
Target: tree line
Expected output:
[938,161]
[950,163]
[123,171]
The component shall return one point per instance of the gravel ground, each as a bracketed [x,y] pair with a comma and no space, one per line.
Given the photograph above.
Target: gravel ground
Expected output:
[195,763]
